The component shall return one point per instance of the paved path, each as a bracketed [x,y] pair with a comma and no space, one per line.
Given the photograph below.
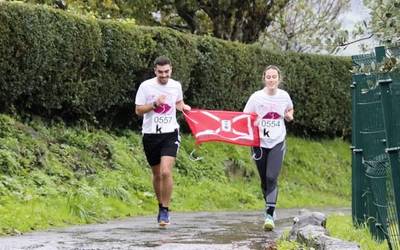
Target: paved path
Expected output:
[204,230]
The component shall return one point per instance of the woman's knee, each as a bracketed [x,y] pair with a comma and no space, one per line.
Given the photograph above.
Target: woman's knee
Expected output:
[272,181]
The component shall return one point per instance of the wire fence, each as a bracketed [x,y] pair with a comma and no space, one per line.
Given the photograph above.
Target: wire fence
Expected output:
[376,143]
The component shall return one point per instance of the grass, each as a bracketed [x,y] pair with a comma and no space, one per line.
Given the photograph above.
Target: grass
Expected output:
[340,226]
[57,175]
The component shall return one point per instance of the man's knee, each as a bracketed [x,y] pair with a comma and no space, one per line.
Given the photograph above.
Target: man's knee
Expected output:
[157,177]
[165,174]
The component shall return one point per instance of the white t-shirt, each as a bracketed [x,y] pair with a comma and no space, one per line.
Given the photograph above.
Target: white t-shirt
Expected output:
[271,111]
[163,118]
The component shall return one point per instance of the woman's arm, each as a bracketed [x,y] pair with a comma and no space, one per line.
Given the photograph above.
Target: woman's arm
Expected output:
[289,115]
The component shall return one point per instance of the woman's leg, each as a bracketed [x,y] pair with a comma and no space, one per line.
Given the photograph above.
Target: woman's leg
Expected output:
[274,166]
[260,158]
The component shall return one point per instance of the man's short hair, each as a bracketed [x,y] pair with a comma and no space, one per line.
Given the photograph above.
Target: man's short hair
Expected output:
[161,61]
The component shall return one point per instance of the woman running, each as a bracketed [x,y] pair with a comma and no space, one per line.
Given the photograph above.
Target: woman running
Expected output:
[272,105]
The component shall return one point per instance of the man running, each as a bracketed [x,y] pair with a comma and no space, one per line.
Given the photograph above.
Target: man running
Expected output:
[157,100]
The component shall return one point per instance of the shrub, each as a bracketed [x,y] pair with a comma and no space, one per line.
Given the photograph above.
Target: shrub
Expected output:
[56,64]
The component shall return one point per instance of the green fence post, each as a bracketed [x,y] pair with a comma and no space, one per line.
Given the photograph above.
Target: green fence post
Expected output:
[352,147]
[357,171]
[392,149]
[380,53]
[354,195]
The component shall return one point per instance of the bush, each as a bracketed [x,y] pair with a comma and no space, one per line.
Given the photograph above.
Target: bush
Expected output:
[56,64]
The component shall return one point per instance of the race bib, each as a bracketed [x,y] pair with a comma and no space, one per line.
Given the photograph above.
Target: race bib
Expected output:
[271,128]
[162,124]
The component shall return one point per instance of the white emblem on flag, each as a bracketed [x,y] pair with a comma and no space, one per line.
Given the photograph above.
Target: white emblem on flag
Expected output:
[226,125]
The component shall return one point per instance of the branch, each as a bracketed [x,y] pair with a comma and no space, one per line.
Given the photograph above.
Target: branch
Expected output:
[356,41]
[179,27]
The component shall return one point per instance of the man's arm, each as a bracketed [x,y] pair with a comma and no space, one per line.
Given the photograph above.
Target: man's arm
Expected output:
[181,106]
[140,110]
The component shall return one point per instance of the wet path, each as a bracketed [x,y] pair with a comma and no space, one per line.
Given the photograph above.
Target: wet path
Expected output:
[205,230]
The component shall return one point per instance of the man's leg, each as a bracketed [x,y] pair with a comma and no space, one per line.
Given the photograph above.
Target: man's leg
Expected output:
[168,154]
[157,181]
[151,145]
[165,189]
[166,179]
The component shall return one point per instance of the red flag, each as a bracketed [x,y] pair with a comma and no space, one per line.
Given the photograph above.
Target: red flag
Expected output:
[225,126]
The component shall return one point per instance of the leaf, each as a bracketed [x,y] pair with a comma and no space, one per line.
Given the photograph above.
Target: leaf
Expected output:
[365,24]
[373,66]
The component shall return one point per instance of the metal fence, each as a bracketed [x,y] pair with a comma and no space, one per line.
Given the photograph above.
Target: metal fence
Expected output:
[376,143]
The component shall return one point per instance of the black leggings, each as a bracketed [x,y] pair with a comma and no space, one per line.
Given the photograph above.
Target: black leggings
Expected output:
[269,164]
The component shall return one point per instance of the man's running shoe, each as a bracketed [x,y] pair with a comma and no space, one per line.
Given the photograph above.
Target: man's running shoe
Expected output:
[163,218]
[269,224]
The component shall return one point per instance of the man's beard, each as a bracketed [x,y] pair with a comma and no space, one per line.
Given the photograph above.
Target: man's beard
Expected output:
[163,80]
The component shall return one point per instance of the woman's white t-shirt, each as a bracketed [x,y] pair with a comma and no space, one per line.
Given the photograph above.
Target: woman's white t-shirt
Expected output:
[163,118]
[271,111]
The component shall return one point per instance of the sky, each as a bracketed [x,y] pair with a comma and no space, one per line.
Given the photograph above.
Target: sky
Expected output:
[357,13]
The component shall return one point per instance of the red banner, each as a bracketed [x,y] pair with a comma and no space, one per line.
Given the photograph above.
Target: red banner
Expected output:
[225,126]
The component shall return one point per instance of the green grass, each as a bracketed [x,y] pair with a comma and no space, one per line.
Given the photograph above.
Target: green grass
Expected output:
[283,243]
[340,226]
[57,175]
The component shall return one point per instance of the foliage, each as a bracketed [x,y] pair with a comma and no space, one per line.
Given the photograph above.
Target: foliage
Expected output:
[234,20]
[53,174]
[385,19]
[384,62]
[383,26]
[231,20]
[306,26]
[283,243]
[62,65]
[137,11]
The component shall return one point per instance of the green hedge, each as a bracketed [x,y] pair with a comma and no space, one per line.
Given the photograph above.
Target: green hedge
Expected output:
[56,64]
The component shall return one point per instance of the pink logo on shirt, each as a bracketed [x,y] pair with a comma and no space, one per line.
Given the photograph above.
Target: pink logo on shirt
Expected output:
[272,115]
[162,109]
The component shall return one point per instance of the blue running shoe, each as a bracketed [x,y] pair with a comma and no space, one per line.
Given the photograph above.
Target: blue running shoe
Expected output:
[164,218]
[269,224]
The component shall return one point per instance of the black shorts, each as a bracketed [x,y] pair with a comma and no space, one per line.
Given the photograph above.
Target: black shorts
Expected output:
[157,145]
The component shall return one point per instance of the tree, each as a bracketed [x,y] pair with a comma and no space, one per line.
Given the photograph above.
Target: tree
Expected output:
[383,27]
[235,20]
[307,26]
[385,20]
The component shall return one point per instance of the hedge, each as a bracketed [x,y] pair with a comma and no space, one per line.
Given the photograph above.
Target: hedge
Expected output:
[56,64]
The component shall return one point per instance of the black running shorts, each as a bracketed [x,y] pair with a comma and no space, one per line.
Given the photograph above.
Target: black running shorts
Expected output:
[157,145]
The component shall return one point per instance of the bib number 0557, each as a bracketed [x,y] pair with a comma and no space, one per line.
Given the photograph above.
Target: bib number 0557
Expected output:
[162,119]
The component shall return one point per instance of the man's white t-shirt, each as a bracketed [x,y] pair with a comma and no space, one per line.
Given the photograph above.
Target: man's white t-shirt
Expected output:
[163,118]
[271,111]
